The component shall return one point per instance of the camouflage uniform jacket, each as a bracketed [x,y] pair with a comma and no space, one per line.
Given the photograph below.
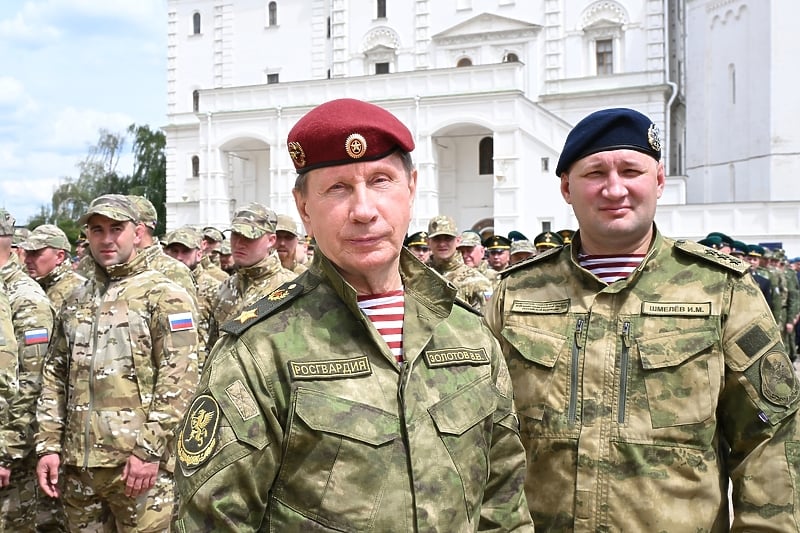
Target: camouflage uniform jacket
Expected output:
[86,266]
[32,317]
[489,273]
[313,426]
[298,268]
[638,399]
[207,287]
[59,283]
[170,267]
[214,269]
[13,445]
[473,287]
[245,287]
[121,369]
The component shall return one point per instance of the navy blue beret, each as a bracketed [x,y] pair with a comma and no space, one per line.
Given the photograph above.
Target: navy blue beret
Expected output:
[610,129]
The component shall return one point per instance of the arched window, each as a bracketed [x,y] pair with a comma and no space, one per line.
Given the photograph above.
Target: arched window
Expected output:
[196,23]
[272,9]
[510,57]
[464,62]
[486,156]
[195,166]
[195,100]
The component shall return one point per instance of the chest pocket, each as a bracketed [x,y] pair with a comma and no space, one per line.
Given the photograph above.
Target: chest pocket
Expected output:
[683,378]
[336,449]
[534,371]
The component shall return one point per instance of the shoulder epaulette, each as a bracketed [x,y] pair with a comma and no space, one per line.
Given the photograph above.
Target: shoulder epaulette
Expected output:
[263,308]
[543,256]
[461,303]
[712,256]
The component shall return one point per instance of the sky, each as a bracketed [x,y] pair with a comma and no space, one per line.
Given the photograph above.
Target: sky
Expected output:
[67,69]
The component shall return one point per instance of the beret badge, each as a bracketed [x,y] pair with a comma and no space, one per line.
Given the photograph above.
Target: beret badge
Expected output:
[297,154]
[356,146]
[654,137]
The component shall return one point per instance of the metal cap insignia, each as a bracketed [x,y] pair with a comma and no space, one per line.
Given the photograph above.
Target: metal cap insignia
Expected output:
[356,146]
[297,154]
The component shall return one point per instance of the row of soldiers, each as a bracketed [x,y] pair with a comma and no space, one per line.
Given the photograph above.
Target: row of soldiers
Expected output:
[102,355]
[776,275]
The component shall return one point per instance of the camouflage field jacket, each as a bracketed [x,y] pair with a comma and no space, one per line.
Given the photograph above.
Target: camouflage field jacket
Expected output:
[304,421]
[121,369]
[473,287]
[638,399]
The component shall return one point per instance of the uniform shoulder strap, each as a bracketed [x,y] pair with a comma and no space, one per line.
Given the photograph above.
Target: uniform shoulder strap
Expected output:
[266,306]
[710,255]
[538,258]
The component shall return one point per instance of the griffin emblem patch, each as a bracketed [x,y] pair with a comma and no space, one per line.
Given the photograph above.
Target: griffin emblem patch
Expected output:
[778,381]
[199,432]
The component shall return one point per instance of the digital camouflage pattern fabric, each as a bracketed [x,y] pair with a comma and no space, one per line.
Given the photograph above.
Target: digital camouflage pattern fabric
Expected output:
[245,287]
[305,422]
[638,399]
[473,287]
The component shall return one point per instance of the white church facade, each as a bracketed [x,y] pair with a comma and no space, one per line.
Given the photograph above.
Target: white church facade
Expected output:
[489,89]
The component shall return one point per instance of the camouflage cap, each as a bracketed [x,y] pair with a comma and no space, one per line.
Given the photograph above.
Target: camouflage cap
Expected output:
[20,236]
[254,220]
[114,206]
[6,223]
[522,246]
[287,224]
[147,211]
[225,248]
[213,234]
[469,239]
[185,235]
[442,225]
[46,236]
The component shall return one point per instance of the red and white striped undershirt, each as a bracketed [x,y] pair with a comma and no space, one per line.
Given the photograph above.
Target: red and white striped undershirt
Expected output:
[610,268]
[386,311]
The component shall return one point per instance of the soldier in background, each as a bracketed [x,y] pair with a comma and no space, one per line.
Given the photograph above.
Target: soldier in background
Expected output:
[120,372]
[792,300]
[754,253]
[547,240]
[154,252]
[417,244]
[225,258]
[498,249]
[258,267]
[473,287]
[647,371]
[566,235]
[14,417]
[521,250]
[473,254]
[183,244]
[331,420]
[20,235]
[213,240]
[286,238]
[47,260]
[32,318]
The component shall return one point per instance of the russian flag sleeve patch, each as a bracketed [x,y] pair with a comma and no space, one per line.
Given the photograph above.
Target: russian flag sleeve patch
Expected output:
[36,336]
[181,321]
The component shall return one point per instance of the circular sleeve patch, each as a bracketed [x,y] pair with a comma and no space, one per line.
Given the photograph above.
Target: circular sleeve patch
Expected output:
[778,380]
[198,435]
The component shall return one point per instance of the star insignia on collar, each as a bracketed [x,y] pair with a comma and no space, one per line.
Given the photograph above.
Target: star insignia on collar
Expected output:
[246,315]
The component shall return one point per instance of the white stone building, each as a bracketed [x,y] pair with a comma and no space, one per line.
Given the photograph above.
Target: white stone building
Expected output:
[489,88]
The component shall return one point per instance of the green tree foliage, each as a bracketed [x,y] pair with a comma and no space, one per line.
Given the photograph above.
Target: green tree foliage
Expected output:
[98,174]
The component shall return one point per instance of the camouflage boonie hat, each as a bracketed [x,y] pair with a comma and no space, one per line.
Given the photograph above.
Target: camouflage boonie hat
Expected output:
[147,211]
[185,235]
[522,245]
[254,220]
[6,223]
[213,234]
[442,225]
[114,206]
[20,236]
[469,239]
[287,224]
[46,236]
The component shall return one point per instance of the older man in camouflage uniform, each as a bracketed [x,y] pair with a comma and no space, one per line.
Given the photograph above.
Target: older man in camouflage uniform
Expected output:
[474,255]
[286,239]
[32,317]
[183,244]
[48,262]
[259,270]
[473,287]
[121,369]
[647,371]
[317,417]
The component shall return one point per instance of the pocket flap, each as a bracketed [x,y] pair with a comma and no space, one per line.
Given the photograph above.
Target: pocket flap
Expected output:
[536,345]
[673,348]
[462,410]
[331,414]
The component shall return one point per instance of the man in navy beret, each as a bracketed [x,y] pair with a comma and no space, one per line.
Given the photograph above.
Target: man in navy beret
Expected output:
[645,369]
[362,395]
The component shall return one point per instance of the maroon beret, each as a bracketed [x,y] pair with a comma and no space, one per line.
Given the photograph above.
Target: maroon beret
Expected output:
[345,131]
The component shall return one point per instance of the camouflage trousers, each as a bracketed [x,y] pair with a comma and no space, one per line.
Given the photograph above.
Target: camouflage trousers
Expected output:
[95,502]
[24,507]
